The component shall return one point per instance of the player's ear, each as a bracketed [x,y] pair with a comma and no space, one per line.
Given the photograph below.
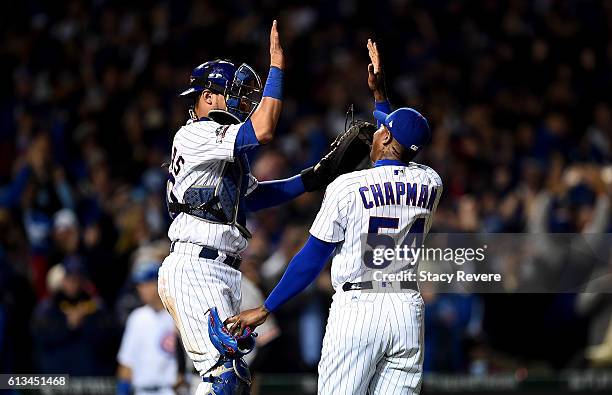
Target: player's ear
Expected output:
[207,96]
[387,137]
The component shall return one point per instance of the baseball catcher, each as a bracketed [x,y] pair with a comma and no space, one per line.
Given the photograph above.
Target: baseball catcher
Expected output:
[209,191]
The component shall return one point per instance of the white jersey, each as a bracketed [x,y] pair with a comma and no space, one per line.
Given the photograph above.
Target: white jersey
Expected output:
[200,152]
[148,348]
[388,199]
[383,351]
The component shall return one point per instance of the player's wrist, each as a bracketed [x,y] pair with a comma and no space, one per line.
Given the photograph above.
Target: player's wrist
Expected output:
[279,64]
[313,180]
[265,309]
[379,96]
[274,83]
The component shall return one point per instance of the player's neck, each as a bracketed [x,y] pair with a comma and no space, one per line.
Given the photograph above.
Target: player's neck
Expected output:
[201,112]
[156,305]
[388,156]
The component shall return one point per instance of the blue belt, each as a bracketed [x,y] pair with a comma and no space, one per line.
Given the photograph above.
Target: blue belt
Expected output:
[210,253]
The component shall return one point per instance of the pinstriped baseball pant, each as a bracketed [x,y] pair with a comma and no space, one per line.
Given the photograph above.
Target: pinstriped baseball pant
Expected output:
[188,286]
[373,344]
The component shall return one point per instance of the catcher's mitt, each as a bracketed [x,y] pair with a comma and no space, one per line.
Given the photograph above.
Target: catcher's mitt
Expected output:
[347,153]
[229,346]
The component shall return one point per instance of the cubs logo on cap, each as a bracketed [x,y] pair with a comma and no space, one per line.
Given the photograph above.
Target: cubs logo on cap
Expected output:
[407,126]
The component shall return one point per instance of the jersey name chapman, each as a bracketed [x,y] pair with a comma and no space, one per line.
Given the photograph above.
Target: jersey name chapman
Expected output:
[398,193]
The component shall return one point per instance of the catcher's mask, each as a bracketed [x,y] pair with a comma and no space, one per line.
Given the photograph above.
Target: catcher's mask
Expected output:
[244,93]
[241,88]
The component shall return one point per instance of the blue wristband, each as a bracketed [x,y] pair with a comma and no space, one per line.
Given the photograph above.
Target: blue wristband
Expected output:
[274,84]
[124,387]
[383,106]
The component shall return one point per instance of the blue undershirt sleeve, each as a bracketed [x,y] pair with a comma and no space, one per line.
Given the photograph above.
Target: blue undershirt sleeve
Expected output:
[302,270]
[246,139]
[272,193]
[383,106]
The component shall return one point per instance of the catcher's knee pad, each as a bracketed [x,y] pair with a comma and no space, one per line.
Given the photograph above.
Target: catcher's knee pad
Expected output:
[230,377]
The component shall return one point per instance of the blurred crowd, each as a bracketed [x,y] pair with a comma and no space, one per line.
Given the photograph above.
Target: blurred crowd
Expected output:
[517,92]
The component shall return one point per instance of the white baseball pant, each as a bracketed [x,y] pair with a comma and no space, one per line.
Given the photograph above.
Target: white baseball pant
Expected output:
[188,286]
[373,344]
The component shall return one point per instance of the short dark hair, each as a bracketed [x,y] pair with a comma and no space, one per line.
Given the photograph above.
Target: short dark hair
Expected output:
[407,155]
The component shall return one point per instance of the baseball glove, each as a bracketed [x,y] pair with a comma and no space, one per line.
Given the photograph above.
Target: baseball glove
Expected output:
[348,151]
[229,346]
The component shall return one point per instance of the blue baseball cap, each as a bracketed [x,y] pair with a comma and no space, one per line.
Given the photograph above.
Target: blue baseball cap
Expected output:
[145,272]
[407,126]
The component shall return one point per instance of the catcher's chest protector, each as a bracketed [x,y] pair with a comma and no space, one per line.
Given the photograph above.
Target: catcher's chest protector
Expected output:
[222,203]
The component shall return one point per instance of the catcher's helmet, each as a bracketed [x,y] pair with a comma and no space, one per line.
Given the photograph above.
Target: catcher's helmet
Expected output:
[215,76]
[240,86]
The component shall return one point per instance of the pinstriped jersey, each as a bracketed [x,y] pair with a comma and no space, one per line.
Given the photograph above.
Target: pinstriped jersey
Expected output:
[200,152]
[389,199]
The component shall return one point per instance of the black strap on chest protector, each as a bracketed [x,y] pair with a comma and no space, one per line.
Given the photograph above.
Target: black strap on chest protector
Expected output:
[175,208]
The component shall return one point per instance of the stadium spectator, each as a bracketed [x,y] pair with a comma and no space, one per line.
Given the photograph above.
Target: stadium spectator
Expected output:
[71,328]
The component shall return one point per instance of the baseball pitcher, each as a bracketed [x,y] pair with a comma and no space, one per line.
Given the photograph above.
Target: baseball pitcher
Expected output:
[373,340]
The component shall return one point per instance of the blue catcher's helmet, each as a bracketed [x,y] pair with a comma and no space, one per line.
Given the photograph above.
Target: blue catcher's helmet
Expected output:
[240,86]
[215,76]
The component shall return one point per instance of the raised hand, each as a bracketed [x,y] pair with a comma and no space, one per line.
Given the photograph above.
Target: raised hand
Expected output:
[375,73]
[277,58]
